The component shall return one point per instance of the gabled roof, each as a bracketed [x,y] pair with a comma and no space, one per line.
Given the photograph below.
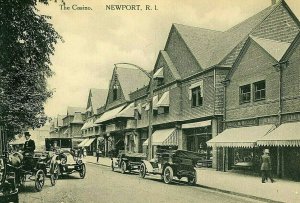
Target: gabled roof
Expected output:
[131,79]
[97,98]
[71,110]
[275,48]
[170,64]
[210,47]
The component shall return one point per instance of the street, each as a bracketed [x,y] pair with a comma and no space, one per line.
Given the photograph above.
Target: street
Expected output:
[103,185]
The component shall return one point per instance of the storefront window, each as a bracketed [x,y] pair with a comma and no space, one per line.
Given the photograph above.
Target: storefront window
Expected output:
[243,155]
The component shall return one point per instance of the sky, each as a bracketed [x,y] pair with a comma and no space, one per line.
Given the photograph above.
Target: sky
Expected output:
[96,39]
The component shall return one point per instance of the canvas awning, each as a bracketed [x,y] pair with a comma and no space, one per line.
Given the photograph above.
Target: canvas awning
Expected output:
[66,131]
[164,100]
[159,73]
[165,137]
[287,134]
[240,137]
[127,112]
[87,124]
[83,142]
[196,124]
[89,142]
[111,114]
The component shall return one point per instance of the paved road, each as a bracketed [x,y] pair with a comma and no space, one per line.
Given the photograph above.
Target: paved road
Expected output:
[103,185]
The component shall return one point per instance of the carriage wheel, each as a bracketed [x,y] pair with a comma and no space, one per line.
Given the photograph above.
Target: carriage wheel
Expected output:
[82,171]
[142,171]
[2,171]
[168,174]
[39,180]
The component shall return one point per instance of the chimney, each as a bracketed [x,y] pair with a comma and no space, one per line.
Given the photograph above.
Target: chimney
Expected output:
[77,118]
[273,2]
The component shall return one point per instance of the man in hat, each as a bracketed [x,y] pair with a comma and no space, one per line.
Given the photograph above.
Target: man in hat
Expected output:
[29,145]
[266,167]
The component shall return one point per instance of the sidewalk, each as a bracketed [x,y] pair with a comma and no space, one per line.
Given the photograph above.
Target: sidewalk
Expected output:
[235,183]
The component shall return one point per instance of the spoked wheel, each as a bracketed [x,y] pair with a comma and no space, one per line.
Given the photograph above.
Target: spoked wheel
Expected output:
[2,171]
[142,171]
[193,180]
[39,180]
[112,166]
[123,167]
[168,174]
[82,171]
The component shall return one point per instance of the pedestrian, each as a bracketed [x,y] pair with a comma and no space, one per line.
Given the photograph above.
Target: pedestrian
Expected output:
[84,152]
[266,167]
[98,152]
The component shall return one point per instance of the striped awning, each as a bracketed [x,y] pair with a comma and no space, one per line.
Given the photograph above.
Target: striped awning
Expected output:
[240,137]
[287,134]
[88,124]
[165,137]
[159,73]
[82,144]
[127,112]
[89,142]
[111,114]
[164,100]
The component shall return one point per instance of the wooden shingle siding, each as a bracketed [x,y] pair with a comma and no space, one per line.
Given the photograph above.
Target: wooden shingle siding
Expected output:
[219,91]
[207,109]
[180,55]
[254,66]
[279,26]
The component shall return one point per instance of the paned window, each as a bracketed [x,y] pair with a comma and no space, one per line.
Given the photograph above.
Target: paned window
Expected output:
[245,93]
[197,99]
[260,90]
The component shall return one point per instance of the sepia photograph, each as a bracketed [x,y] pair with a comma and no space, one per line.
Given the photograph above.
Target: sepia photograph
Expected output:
[131,101]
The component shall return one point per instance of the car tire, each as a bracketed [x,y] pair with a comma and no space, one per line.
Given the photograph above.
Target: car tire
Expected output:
[39,180]
[168,174]
[82,172]
[142,170]
[193,180]
[123,167]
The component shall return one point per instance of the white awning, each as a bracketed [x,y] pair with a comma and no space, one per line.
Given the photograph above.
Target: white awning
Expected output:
[83,142]
[164,100]
[127,112]
[154,102]
[240,137]
[165,137]
[66,131]
[89,142]
[111,114]
[287,134]
[88,124]
[196,124]
[159,73]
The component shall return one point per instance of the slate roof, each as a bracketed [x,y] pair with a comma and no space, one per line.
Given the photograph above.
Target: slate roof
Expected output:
[98,97]
[221,45]
[71,110]
[131,79]
[275,48]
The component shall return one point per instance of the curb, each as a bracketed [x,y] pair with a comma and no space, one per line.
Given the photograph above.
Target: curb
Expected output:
[238,194]
[217,189]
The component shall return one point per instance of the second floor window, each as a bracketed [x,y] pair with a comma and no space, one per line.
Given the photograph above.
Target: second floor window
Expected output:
[259,90]
[197,99]
[245,93]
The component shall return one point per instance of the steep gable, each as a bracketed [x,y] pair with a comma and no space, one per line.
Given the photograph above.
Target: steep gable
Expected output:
[96,99]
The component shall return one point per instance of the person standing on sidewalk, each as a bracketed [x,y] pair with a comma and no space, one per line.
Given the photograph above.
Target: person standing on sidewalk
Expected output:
[266,167]
[98,152]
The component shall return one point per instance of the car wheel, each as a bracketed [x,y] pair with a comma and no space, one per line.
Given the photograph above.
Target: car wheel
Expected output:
[168,174]
[112,166]
[193,180]
[142,171]
[82,171]
[39,180]
[123,167]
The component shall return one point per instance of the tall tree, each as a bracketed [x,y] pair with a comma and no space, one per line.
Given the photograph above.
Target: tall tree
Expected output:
[26,43]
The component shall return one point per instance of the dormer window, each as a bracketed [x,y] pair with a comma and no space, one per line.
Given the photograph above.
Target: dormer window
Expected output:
[159,76]
[196,94]
[115,92]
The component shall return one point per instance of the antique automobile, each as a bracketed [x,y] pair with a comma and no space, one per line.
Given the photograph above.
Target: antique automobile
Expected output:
[68,163]
[127,161]
[170,164]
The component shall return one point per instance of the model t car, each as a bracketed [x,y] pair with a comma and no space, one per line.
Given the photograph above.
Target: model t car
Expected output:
[68,163]
[127,161]
[170,164]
